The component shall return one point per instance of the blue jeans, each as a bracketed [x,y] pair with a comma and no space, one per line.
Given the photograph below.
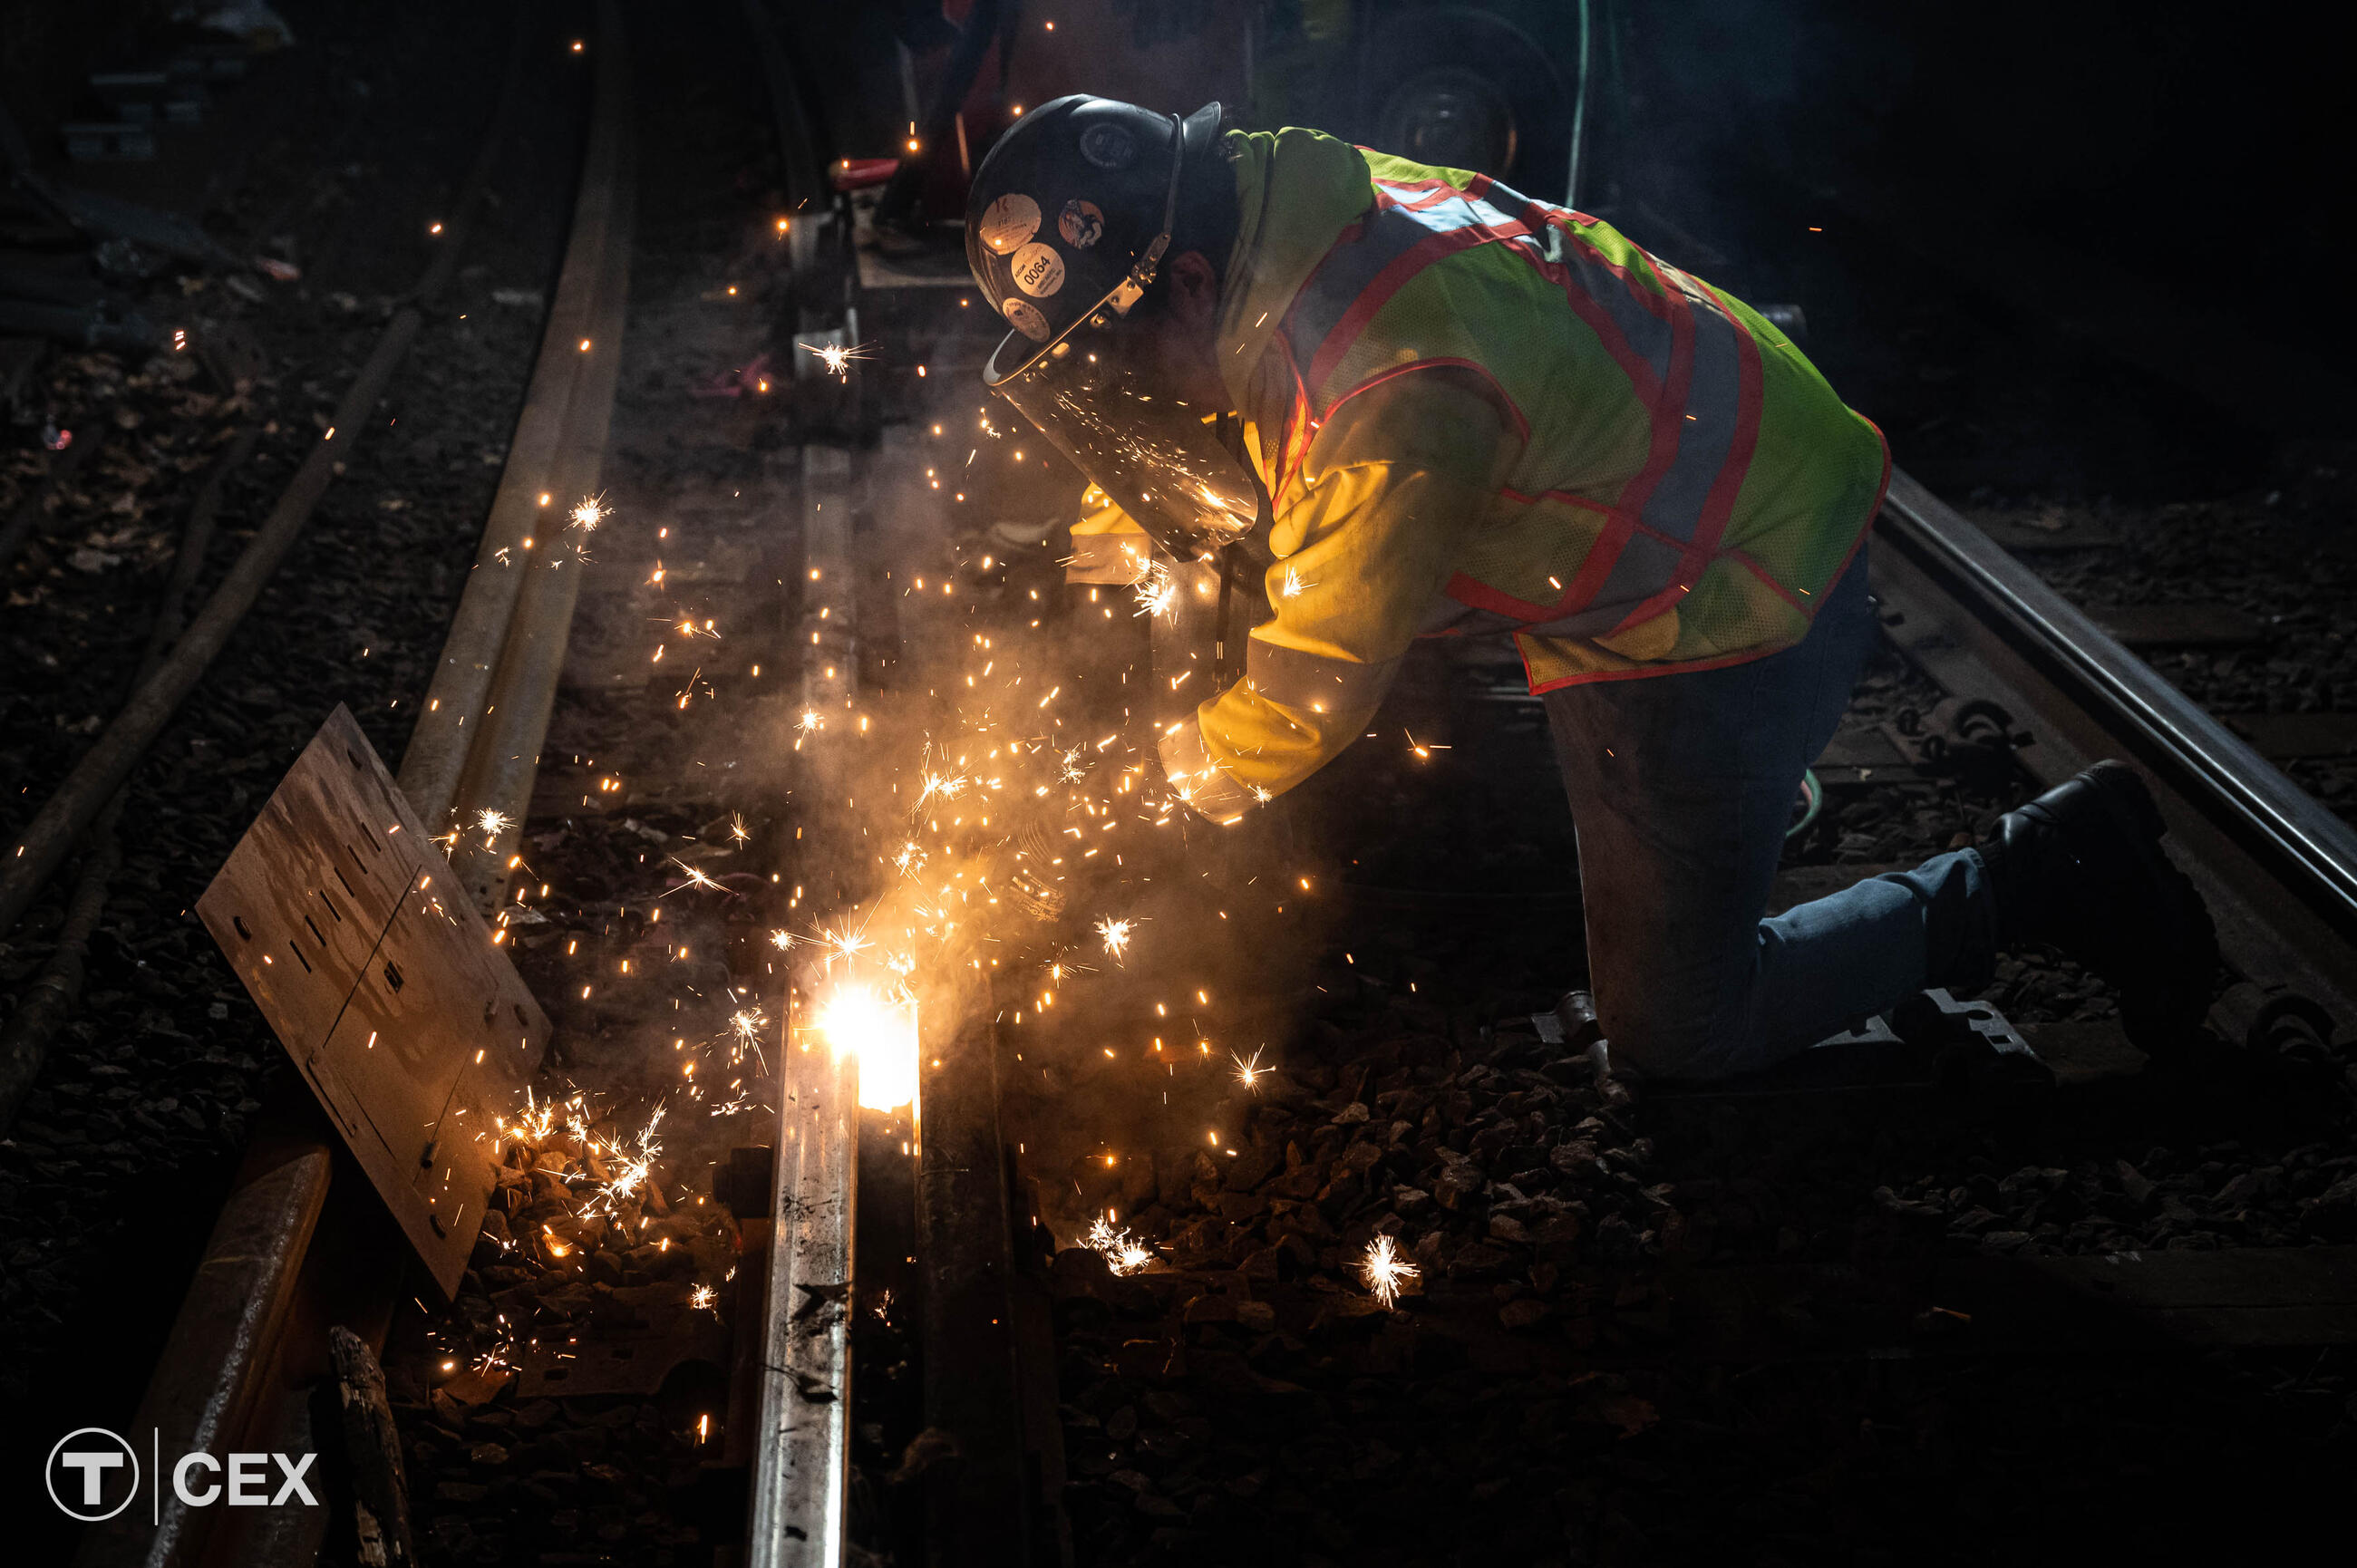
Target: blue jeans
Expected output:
[1680,788]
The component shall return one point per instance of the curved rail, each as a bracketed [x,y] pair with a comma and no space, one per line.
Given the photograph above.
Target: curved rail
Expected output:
[2279,868]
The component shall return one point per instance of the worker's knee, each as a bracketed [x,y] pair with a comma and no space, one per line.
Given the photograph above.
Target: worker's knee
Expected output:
[1652,1038]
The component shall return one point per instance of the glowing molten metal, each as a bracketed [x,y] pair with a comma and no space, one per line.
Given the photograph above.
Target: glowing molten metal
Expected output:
[881,1031]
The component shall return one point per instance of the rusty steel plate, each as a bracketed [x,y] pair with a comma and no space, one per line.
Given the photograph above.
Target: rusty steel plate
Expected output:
[344,921]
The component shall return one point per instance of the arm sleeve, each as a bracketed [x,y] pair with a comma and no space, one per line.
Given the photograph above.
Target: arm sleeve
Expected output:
[1363,554]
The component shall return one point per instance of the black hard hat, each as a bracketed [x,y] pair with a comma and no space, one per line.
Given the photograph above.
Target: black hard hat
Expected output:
[1071,210]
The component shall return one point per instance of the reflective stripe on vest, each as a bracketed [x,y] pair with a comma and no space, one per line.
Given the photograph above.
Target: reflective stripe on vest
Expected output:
[1689,361]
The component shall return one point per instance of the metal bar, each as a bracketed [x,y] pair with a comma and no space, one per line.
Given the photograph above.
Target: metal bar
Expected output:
[803,1452]
[519,526]
[210,1371]
[2284,868]
[977,1511]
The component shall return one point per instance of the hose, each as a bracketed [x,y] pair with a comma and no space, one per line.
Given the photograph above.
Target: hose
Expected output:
[1814,793]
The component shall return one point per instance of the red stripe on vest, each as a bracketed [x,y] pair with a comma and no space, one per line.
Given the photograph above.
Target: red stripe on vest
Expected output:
[1390,281]
[1719,505]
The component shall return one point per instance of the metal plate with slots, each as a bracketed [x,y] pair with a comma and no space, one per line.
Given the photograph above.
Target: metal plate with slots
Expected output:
[337,912]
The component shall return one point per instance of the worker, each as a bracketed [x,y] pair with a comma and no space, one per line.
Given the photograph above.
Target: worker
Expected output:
[1414,402]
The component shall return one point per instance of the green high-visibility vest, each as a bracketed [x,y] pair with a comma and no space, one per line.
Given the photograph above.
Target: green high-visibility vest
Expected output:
[1689,485]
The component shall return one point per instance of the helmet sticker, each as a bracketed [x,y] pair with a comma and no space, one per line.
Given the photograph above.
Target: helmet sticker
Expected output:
[1082,224]
[1027,319]
[1109,147]
[1038,270]
[1010,221]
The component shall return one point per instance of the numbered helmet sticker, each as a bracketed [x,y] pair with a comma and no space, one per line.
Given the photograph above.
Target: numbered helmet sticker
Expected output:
[1038,270]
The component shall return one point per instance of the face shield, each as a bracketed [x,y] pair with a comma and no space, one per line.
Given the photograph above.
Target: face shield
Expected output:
[1159,461]
[1091,393]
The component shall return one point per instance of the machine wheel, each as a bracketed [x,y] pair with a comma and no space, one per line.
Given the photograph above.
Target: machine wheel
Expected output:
[1450,117]
[1470,89]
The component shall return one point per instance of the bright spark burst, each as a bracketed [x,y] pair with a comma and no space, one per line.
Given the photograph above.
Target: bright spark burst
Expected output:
[1384,1269]
[1122,1253]
[844,945]
[1117,936]
[1249,1072]
[837,357]
[948,785]
[1294,586]
[746,1025]
[1158,591]
[782,940]
[704,1298]
[589,514]
[809,720]
[738,831]
[492,823]
[696,877]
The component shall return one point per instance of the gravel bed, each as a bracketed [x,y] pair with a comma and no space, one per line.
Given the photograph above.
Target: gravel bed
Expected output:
[128,1140]
[1526,1399]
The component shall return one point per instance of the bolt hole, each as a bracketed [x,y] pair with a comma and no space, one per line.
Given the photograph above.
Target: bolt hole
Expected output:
[239,921]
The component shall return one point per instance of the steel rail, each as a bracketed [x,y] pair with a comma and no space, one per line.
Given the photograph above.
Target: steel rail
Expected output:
[801,1452]
[523,531]
[503,755]
[2279,869]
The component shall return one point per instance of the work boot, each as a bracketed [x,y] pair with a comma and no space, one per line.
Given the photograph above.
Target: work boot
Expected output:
[2080,869]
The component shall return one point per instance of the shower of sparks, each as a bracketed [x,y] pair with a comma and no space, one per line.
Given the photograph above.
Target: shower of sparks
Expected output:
[1384,1269]
[1122,1253]
[1156,591]
[589,514]
[837,357]
[1069,770]
[492,823]
[704,1298]
[745,1025]
[1294,586]
[1249,1072]
[782,940]
[1117,936]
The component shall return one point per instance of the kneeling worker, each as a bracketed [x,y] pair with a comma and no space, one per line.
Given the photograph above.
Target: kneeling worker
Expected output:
[1424,404]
